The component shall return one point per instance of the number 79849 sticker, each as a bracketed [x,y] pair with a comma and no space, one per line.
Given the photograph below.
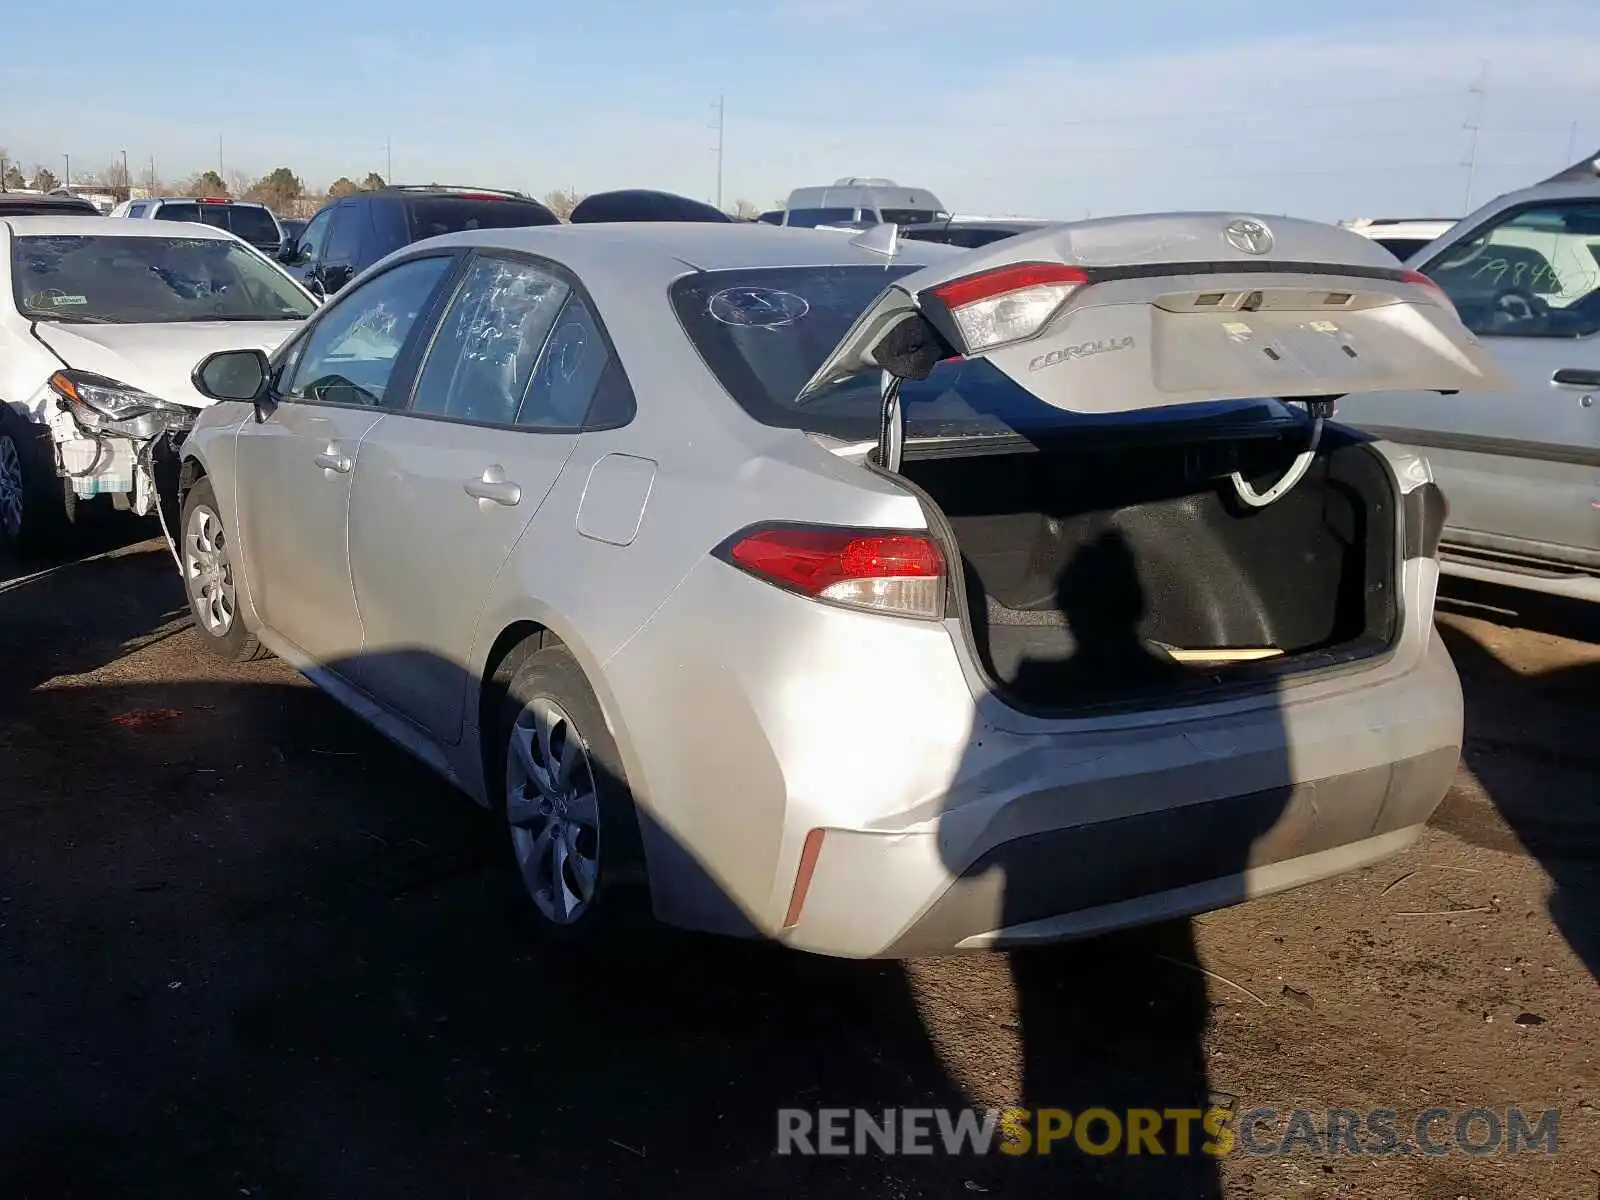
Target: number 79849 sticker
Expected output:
[757,307]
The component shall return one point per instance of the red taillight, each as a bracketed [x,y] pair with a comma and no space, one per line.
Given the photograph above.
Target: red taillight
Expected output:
[901,573]
[215,200]
[1008,304]
[1421,280]
[959,293]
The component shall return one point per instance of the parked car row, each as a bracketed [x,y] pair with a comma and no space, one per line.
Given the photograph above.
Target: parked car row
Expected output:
[839,589]
[827,586]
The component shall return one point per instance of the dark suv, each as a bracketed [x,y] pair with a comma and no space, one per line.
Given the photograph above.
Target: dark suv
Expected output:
[349,235]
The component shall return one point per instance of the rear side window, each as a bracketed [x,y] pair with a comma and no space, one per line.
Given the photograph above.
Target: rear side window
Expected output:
[489,343]
[254,225]
[810,218]
[179,212]
[434,216]
[137,210]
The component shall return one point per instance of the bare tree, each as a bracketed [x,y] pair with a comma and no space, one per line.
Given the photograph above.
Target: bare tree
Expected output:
[44,179]
[342,186]
[562,201]
[238,182]
[745,210]
[14,177]
[114,178]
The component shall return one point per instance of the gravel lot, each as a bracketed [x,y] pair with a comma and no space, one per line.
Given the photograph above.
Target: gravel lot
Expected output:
[249,949]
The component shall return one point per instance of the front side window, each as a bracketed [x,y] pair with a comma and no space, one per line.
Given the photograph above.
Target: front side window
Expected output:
[350,356]
[344,244]
[1534,273]
[149,280]
[489,343]
[315,236]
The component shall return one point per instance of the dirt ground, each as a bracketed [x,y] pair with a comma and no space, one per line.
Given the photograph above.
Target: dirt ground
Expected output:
[249,949]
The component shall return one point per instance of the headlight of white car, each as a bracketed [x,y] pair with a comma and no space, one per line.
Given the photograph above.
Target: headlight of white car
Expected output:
[104,405]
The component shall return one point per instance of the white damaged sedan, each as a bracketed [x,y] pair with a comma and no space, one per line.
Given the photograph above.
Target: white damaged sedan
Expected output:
[101,323]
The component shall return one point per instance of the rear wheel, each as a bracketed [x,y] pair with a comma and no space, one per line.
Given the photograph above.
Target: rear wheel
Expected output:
[574,832]
[209,578]
[37,508]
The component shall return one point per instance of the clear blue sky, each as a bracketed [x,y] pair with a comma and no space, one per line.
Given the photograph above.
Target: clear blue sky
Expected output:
[1027,106]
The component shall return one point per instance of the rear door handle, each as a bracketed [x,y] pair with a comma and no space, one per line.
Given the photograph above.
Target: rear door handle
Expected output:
[332,460]
[1576,377]
[494,487]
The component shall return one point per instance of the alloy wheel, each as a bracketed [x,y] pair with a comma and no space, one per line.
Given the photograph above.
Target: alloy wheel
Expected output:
[207,571]
[11,485]
[554,811]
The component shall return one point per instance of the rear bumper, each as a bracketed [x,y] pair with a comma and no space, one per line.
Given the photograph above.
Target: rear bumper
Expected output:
[951,821]
[1162,827]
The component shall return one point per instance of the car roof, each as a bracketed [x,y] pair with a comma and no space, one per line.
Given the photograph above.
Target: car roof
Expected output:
[112,227]
[194,200]
[666,249]
[46,200]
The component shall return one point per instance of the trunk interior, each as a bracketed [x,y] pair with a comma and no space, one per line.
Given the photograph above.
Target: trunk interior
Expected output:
[1105,574]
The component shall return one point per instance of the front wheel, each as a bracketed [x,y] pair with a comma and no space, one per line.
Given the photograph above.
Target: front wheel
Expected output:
[37,507]
[209,578]
[574,831]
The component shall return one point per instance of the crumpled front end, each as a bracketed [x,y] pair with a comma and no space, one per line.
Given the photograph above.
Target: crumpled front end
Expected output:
[111,439]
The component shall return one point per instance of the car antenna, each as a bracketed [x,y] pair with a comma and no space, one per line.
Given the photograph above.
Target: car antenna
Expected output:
[881,239]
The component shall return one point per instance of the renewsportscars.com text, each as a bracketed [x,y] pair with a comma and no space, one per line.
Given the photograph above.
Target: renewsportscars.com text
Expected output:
[1215,1131]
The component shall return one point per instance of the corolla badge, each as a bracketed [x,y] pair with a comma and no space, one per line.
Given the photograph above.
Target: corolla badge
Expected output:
[1248,235]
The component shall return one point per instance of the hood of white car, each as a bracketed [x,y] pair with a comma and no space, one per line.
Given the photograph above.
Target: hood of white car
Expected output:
[159,358]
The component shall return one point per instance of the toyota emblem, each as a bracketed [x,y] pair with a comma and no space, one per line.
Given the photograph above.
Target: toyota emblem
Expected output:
[1247,235]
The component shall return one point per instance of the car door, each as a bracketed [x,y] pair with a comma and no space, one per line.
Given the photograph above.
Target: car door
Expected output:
[295,467]
[308,250]
[338,262]
[444,490]
[1521,470]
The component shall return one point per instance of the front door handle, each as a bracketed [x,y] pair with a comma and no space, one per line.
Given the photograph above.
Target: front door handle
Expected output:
[331,460]
[1576,377]
[493,486]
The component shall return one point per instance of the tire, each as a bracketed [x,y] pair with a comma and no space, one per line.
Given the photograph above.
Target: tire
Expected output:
[38,510]
[208,578]
[549,695]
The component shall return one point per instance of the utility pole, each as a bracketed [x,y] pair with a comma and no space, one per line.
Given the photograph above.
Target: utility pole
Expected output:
[1480,89]
[67,182]
[1572,144]
[720,127]
[220,174]
[127,180]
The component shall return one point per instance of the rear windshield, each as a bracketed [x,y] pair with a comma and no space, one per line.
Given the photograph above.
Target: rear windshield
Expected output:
[11,207]
[810,218]
[1403,248]
[765,331]
[910,216]
[248,221]
[434,216]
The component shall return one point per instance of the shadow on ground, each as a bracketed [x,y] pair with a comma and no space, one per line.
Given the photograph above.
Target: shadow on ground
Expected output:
[1511,716]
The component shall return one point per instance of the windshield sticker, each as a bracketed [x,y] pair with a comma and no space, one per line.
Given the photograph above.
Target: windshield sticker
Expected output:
[757,307]
[60,301]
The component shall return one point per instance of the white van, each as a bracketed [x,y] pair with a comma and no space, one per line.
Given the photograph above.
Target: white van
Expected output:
[863,201]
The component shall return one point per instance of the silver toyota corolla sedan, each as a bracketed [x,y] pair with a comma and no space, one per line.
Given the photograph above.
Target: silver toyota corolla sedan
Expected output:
[871,596]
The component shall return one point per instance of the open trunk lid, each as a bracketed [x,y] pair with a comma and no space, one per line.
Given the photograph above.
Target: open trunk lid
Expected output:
[1144,312]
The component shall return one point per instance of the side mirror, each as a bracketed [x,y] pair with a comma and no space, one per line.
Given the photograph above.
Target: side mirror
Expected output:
[289,252]
[237,376]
